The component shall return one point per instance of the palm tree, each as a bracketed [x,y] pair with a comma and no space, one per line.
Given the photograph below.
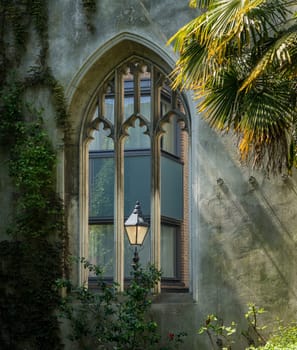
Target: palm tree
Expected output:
[240,58]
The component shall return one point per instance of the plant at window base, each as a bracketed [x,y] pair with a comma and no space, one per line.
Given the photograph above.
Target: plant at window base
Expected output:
[108,319]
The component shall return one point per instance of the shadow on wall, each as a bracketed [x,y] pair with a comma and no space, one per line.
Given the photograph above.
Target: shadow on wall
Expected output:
[247,247]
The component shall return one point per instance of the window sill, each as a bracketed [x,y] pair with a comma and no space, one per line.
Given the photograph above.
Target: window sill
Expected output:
[167,287]
[173,298]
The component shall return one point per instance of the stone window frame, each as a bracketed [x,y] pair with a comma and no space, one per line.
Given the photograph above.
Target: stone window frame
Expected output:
[82,93]
[118,132]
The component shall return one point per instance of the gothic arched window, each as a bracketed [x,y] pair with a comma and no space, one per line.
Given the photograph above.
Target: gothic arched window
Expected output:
[139,151]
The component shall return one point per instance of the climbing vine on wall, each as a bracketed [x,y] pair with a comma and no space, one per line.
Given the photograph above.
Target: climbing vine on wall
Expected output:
[19,16]
[36,253]
[32,260]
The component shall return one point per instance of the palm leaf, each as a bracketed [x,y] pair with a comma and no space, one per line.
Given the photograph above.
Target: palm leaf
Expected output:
[266,125]
[200,3]
[193,68]
[221,101]
[278,56]
[243,70]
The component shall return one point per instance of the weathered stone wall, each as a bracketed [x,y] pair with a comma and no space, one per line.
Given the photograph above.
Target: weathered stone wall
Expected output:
[246,234]
[243,224]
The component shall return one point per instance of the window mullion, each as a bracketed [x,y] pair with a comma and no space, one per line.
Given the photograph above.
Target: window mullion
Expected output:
[156,177]
[136,92]
[174,100]
[119,183]
[101,105]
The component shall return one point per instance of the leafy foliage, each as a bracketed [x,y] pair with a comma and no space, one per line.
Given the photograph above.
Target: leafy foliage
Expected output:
[36,254]
[19,16]
[42,76]
[285,338]
[38,210]
[215,328]
[30,264]
[110,320]
[11,112]
[223,337]
[253,334]
[240,59]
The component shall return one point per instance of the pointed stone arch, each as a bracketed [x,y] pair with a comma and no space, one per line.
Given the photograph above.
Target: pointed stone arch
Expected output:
[82,94]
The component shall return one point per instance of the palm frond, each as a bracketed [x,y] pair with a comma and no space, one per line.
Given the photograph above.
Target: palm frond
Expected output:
[277,57]
[266,124]
[193,68]
[227,22]
[221,101]
[200,3]
[242,65]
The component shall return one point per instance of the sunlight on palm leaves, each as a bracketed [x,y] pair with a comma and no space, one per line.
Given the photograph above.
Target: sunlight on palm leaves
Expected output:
[199,3]
[239,57]
[278,56]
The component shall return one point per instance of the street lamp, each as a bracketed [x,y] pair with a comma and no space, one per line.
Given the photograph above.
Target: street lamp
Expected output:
[136,229]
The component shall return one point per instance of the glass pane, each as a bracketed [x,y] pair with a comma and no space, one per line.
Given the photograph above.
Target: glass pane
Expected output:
[101,141]
[101,247]
[137,183]
[170,139]
[128,106]
[109,108]
[109,101]
[171,188]
[137,187]
[145,106]
[101,187]
[165,107]
[144,253]
[168,251]
[128,94]
[166,100]
[137,139]
[145,94]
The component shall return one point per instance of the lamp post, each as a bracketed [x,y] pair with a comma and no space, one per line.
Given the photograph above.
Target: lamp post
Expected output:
[136,229]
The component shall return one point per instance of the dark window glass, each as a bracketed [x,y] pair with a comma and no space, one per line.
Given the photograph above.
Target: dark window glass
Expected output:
[137,140]
[171,188]
[101,247]
[168,251]
[137,183]
[101,188]
[137,169]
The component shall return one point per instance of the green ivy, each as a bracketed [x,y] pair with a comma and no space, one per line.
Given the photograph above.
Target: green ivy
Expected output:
[19,16]
[32,261]
[39,14]
[11,112]
[40,76]
[32,166]
[36,254]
